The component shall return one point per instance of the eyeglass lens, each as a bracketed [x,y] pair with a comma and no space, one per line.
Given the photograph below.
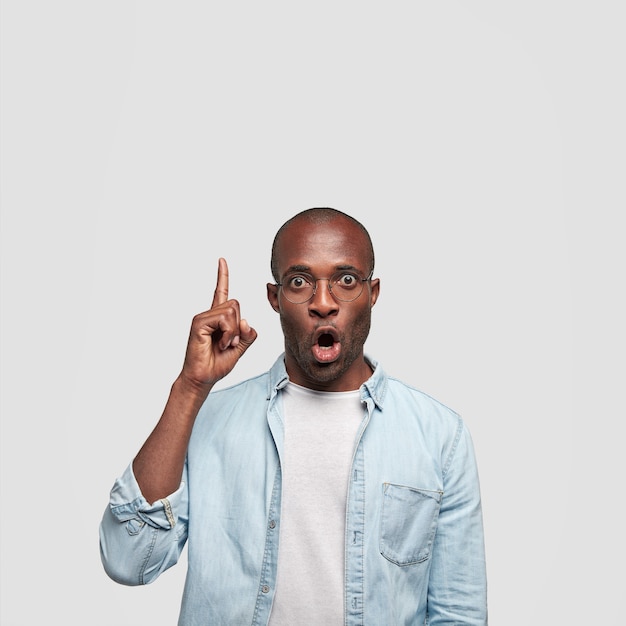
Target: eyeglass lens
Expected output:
[344,286]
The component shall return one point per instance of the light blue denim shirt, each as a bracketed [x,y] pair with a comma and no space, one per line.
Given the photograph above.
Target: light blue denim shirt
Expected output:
[414,534]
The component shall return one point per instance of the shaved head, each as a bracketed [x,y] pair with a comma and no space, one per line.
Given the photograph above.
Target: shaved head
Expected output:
[317,216]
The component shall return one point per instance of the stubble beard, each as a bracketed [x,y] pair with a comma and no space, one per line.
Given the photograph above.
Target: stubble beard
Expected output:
[298,347]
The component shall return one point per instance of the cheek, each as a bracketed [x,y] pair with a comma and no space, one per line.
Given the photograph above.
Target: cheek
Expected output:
[362,314]
[360,325]
[290,325]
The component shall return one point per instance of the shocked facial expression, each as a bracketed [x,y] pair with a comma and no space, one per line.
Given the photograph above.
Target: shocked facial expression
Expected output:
[324,336]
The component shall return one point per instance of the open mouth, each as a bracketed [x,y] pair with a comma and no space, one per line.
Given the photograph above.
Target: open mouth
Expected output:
[327,346]
[325,340]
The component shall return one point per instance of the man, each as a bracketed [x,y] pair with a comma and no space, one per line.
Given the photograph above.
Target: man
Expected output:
[322,492]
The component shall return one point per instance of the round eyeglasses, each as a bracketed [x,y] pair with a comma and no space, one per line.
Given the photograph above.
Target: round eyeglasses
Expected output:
[345,286]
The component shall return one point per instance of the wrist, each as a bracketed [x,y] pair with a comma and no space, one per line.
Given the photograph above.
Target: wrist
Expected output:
[190,389]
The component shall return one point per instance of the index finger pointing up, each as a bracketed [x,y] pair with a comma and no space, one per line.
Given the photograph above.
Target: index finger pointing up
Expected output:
[221,290]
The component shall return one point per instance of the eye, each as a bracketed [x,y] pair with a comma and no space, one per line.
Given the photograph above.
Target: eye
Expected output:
[347,281]
[298,282]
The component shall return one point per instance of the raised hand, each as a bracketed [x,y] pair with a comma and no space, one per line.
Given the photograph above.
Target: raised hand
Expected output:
[217,340]
[218,337]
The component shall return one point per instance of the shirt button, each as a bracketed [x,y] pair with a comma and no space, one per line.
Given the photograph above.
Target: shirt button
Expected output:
[265,588]
[272,524]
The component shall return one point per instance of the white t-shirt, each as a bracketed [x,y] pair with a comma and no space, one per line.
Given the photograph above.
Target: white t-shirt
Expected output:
[320,431]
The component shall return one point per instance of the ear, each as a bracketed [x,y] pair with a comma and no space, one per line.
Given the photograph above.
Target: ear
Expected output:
[272,296]
[374,291]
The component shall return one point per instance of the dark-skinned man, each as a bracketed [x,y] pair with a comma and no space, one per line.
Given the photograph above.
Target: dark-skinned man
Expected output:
[320,492]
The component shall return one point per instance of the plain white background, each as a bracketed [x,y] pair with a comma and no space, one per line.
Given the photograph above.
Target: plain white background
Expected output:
[481,143]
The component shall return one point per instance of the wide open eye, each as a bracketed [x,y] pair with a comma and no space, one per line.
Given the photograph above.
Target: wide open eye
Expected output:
[298,283]
[346,281]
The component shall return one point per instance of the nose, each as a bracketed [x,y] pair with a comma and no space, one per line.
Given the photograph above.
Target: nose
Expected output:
[323,303]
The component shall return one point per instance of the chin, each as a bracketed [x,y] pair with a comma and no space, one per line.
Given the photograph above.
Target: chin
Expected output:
[324,372]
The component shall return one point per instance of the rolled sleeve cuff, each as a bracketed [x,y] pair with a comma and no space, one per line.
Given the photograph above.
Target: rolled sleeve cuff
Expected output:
[127,503]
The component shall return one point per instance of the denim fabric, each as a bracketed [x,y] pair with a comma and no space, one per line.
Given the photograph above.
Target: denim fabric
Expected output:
[414,535]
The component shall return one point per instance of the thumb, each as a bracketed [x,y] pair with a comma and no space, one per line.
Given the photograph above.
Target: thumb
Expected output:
[247,335]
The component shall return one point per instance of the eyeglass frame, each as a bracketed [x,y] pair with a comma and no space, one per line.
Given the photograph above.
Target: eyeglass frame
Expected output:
[330,289]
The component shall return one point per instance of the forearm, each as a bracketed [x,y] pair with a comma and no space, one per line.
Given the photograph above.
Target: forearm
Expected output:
[458,586]
[139,540]
[158,466]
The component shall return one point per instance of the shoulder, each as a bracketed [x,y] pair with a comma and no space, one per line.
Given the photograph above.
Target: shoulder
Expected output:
[244,398]
[248,383]
[400,391]
[391,393]
[232,412]
[254,387]
[413,407]
[414,424]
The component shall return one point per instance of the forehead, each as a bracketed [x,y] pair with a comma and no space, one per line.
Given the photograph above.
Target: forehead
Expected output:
[323,247]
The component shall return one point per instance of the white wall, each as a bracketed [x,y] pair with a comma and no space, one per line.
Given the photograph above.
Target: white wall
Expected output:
[482,144]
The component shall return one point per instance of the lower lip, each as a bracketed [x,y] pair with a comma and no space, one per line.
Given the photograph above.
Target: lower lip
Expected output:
[327,355]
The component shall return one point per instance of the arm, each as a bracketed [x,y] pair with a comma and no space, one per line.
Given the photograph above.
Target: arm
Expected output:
[139,540]
[457,590]
[217,340]
[149,501]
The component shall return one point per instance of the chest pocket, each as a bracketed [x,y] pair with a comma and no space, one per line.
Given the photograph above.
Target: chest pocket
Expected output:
[408,523]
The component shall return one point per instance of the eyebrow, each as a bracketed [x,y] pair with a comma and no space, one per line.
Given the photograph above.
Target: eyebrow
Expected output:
[307,269]
[297,268]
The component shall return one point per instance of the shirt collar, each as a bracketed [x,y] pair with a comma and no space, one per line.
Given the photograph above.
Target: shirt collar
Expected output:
[374,387]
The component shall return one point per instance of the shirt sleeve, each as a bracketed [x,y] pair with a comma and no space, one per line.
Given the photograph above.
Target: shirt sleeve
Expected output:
[139,540]
[457,590]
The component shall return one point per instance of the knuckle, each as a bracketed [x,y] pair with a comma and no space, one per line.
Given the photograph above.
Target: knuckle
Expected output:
[232,307]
